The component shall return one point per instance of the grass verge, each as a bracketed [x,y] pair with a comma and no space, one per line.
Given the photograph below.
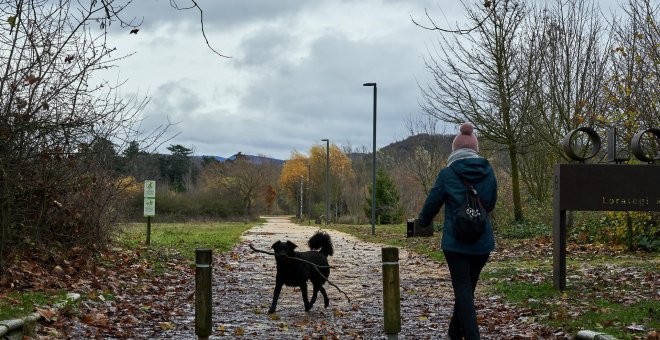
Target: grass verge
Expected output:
[608,292]
[605,293]
[183,238]
[20,304]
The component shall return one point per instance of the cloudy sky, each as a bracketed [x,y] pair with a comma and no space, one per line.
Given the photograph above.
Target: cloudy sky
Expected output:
[294,77]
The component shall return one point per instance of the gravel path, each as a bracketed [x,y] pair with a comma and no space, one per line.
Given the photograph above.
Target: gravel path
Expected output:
[245,282]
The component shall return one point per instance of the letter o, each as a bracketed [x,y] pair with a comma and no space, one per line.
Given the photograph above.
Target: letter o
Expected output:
[568,148]
[636,145]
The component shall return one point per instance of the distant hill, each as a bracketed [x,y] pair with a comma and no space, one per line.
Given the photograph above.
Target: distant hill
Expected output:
[254,159]
[401,149]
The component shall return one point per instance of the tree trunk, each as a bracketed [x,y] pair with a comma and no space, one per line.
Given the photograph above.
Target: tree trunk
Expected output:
[515,183]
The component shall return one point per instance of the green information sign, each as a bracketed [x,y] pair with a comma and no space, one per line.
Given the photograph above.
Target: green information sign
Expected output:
[149,198]
[150,189]
[149,206]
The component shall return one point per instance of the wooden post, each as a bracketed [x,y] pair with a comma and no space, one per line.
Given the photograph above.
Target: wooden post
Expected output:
[203,298]
[148,230]
[391,293]
[629,231]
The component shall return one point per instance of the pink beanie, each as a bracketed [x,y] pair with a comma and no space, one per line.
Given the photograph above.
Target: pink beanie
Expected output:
[465,139]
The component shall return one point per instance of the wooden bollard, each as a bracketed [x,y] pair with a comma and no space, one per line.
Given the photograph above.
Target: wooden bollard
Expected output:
[391,293]
[203,298]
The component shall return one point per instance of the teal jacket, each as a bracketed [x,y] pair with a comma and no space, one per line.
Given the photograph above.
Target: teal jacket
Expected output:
[450,191]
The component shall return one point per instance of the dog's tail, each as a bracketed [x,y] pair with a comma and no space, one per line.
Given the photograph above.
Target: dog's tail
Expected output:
[321,241]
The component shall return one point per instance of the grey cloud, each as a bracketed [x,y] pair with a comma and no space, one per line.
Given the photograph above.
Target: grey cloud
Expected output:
[325,90]
[174,99]
[220,14]
[263,47]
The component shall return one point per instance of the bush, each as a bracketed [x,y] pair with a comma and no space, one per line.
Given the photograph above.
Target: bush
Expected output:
[176,206]
[612,227]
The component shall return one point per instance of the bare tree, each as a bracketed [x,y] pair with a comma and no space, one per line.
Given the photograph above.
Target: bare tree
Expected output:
[355,188]
[55,188]
[251,177]
[632,90]
[478,77]
[570,41]
[426,160]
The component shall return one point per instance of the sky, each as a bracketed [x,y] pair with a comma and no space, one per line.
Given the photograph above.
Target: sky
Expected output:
[295,75]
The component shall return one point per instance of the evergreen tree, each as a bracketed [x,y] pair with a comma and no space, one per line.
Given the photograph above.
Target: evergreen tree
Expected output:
[178,168]
[388,209]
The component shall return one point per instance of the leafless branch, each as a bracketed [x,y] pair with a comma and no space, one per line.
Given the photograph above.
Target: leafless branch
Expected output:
[435,27]
[176,6]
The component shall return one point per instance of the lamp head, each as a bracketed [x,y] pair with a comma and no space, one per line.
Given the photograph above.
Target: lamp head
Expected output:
[369,84]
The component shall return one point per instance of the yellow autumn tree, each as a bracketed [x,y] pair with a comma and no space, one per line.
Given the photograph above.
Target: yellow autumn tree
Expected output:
[293,172]
[340,174]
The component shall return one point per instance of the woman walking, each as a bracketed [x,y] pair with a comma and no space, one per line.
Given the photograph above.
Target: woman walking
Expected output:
[465,167]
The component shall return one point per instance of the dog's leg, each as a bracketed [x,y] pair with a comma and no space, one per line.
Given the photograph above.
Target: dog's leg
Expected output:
[276,295]
[315,288]
[326,301]
[311,302]
[303,290]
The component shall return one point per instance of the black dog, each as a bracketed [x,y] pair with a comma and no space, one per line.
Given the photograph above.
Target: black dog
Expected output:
[293,272]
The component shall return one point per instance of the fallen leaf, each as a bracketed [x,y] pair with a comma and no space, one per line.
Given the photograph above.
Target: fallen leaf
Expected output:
[166,326]
[47,314]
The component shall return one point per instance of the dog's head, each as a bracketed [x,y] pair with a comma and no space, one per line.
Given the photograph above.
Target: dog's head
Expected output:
[284,249]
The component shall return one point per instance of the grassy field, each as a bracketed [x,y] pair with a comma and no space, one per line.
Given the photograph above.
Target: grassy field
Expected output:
[183,238]
[608,290]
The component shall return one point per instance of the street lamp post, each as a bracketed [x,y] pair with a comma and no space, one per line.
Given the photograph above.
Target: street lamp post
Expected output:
[373,169]
[302,179]
[327,179]
[309,197]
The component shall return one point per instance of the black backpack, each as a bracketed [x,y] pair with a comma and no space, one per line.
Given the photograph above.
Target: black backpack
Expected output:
[470,222]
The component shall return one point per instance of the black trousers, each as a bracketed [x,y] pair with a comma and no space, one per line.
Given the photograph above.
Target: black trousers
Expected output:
[464,270]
